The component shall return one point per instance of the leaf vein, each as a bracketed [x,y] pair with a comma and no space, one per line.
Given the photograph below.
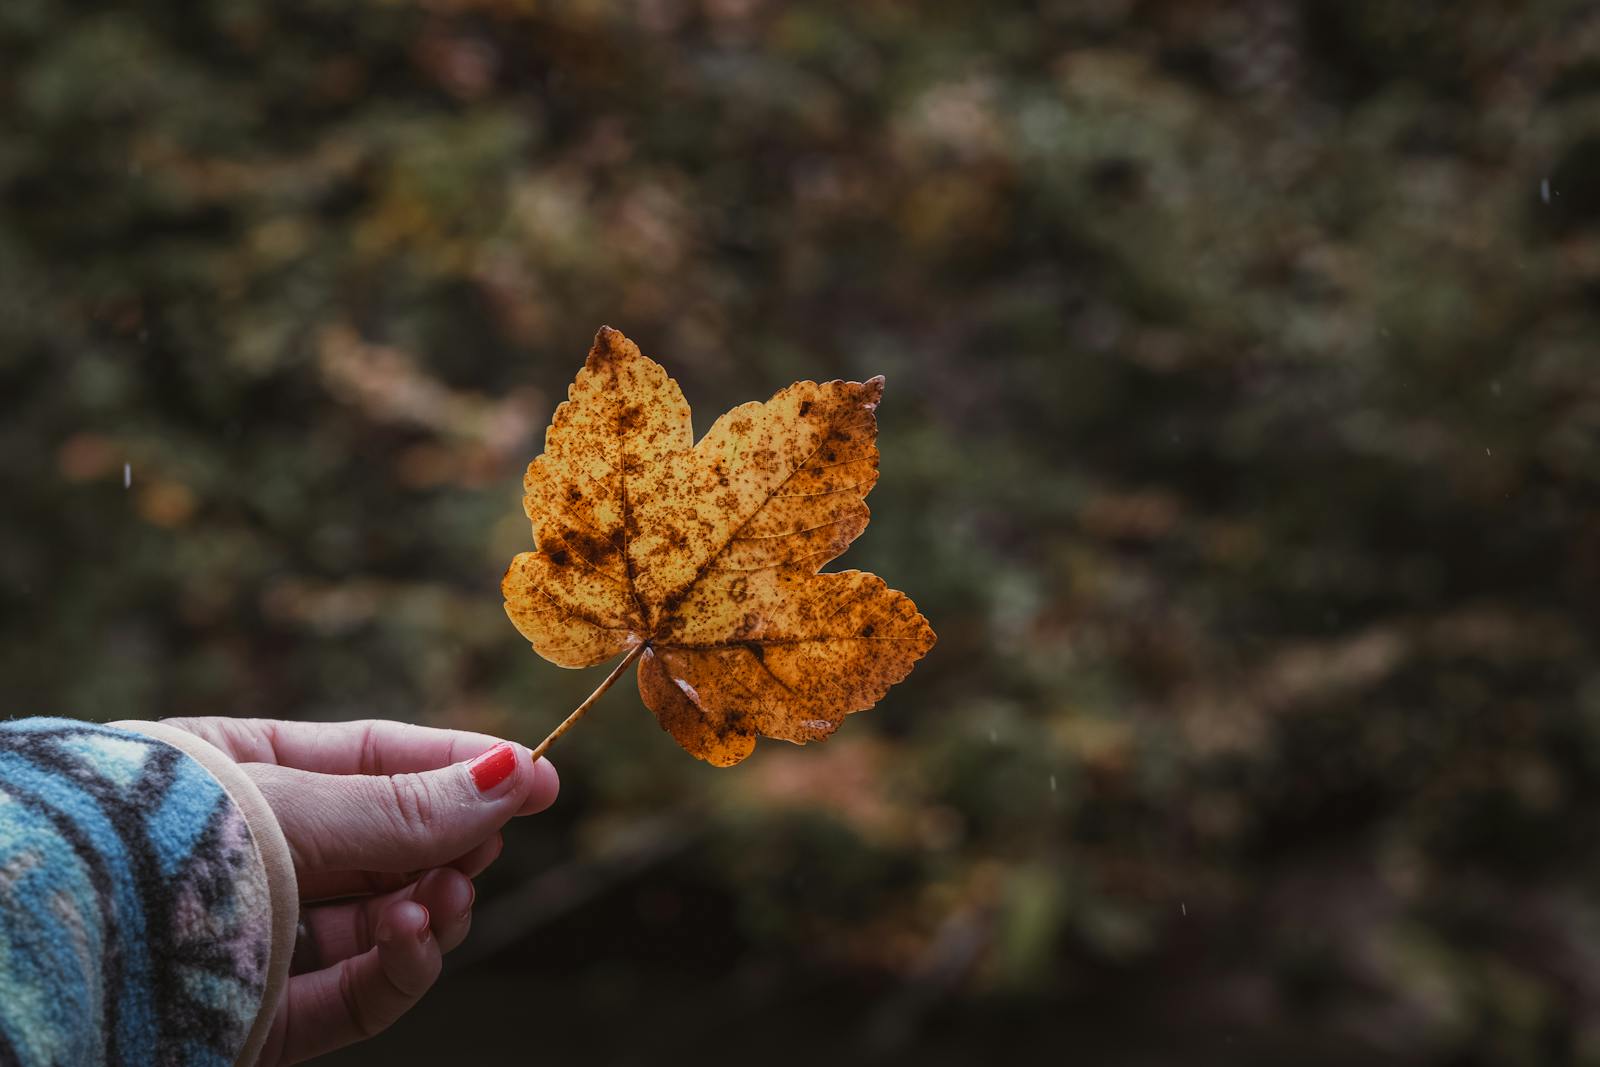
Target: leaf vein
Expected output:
[791,533]
[574,613]
[829,466]
[826,492]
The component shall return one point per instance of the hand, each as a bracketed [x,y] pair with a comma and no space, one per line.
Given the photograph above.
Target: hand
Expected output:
[396,816]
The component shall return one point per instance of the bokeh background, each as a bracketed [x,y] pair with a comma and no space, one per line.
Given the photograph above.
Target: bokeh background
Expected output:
[1242,442]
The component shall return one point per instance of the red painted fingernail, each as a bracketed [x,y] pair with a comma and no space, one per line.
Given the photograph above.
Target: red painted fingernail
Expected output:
[494,766]
[427,925]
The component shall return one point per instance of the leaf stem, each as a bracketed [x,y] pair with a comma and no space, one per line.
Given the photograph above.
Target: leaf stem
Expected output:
[582,709]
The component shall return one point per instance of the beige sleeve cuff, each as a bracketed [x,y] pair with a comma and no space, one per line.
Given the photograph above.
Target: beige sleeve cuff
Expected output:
[273,851]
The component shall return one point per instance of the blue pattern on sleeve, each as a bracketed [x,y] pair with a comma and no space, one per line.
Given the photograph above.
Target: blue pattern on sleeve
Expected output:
[134,912]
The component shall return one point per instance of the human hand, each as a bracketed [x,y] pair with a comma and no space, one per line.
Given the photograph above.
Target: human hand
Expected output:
[396,818]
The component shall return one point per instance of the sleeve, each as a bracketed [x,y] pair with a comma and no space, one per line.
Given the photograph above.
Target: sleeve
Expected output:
[147,899]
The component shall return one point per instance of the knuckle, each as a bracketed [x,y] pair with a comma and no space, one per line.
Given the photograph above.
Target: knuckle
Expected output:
[370,760]
[414,805]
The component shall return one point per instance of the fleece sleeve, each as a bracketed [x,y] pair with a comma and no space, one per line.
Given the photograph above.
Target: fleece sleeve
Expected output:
[147,900]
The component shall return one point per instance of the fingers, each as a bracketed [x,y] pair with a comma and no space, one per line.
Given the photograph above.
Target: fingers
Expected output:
[338,931]
[359,997]
[401,822]
[365,746]
[330,885]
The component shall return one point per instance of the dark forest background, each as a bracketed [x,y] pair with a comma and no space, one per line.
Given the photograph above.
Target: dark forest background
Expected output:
[1241,441]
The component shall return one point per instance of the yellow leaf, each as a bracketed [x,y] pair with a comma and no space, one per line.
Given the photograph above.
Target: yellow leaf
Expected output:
[707,554]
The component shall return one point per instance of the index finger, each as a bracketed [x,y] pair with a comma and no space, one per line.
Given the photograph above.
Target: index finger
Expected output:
[362,746]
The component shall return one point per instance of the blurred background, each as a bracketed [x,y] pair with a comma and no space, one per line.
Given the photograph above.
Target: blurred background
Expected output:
[1242,443]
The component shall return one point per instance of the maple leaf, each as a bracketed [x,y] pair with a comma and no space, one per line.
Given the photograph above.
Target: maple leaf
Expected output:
[701,559]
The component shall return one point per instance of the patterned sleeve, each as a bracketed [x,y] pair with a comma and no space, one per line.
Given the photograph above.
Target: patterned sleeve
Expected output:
[137,901]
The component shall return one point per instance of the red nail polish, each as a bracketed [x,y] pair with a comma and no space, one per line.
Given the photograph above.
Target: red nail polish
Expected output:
[494,766]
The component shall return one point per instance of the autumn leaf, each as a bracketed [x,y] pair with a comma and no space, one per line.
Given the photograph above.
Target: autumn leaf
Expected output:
[701,560]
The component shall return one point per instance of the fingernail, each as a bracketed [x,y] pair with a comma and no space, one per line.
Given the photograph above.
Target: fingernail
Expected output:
[494,766]
[427,925]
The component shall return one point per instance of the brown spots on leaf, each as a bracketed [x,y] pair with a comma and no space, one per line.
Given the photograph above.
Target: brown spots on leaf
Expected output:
[593,549]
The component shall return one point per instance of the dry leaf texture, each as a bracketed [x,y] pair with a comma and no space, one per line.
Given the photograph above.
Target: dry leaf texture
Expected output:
[709,554]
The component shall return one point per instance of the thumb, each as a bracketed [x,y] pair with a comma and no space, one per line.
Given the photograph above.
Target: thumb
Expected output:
[401,822]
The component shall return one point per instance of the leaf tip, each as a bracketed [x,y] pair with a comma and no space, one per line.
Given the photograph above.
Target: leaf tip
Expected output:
[609,345]
[872,392]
